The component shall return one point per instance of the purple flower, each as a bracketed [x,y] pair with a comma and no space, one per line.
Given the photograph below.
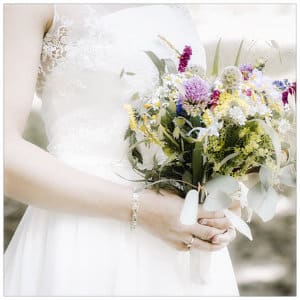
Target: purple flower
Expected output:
[179,107]
[184,58]
[287,88]
[279,84]
[246,70]
[292,88]
[284,97]
[196,90]
[214,99]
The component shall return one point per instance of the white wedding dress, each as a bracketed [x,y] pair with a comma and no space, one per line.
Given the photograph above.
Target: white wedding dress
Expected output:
[56,254]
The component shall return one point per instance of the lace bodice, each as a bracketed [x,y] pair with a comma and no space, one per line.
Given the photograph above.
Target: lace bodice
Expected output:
[83,55]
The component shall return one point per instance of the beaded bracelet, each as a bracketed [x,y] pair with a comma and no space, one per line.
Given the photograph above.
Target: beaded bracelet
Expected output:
[134,210]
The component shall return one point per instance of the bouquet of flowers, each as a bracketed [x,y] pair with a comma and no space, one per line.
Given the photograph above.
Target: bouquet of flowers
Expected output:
[211,133]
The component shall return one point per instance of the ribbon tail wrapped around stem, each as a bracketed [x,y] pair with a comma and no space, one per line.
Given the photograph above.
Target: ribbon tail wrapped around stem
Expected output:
[200,260]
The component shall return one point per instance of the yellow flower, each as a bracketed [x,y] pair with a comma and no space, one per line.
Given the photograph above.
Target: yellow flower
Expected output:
[132,119]
[157,103]
[207,117]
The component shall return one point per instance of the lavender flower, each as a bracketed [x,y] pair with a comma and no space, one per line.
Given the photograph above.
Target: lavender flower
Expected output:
[246,70]
[184,58]
[196,90]
[195,96]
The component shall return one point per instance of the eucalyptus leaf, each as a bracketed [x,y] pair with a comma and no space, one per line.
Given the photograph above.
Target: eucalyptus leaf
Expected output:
[160,64]
[217,201]
[267,208]
[224,183]
[255,196]
[266,177]
[171,66]
[238,223]
[287,177]
[130,73]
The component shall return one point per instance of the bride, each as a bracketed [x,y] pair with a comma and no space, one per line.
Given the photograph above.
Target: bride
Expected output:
[75,236]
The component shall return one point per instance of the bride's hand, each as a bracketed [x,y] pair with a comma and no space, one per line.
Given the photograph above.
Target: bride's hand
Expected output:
[224,224]
[159,214]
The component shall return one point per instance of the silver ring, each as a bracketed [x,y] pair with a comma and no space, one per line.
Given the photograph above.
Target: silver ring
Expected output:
[189,245]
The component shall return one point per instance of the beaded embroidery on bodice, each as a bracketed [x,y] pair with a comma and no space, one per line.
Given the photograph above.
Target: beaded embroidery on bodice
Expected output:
[79,80]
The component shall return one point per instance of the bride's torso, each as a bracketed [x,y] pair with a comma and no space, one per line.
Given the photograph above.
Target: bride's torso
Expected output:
[79,82]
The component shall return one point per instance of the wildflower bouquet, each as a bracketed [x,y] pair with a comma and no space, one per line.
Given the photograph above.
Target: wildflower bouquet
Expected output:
[210,133]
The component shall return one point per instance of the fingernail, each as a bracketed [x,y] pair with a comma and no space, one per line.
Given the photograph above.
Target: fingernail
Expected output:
[215,240]
[203,222]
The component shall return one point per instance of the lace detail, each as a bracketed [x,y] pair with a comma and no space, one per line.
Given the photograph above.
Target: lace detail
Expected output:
[53,50]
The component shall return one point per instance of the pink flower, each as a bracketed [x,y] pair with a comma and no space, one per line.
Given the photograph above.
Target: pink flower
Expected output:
[184,58]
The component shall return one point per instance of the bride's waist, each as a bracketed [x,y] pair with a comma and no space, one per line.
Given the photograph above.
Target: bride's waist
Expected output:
[103,162]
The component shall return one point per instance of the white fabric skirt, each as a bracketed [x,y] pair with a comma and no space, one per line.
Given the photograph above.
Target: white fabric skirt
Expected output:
[57,254]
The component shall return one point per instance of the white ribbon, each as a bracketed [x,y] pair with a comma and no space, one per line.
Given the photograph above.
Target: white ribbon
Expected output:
[200,260]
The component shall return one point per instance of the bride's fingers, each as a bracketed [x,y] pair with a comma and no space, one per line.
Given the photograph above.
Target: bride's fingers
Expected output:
[224,238]
[200,244]
[204,214]
[204,232]
[221,223]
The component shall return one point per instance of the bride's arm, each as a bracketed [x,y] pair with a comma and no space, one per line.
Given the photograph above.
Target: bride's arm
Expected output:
[32,175]
[36,178]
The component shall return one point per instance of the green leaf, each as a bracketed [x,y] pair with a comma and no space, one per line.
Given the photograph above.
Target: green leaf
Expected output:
[171,66]
[122,73]
[287,177]
[135,96]
[127,133]
[160,64]
[227,158]
[255,196]
[263,202]
[224,183]
[187,177]
[197,164]
[268,207]
[218,200]
[215,68]
[266,177]
[238,55]
[239,224]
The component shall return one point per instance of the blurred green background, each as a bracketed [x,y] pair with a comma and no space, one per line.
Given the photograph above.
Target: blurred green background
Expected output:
[267,265]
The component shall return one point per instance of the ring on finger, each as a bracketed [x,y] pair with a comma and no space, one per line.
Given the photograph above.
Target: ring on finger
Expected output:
[190,243]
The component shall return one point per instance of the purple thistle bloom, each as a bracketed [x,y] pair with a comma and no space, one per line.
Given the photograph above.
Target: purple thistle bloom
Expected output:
[246,70]
[196,90]
[184,58]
